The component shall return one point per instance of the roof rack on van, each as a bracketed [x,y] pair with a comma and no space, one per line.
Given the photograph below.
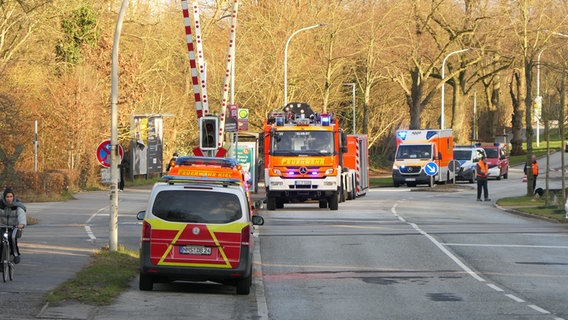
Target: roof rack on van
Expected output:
[207,161]
[181,179]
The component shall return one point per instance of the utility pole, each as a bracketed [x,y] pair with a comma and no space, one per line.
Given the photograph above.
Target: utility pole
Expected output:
[114,157]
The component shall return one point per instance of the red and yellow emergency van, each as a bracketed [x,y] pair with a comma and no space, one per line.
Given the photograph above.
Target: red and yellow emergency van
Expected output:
[198,226]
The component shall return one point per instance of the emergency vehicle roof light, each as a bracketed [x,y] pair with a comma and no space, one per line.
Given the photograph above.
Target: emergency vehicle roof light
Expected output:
[325,120]
[210,161]
[279,121]
[182,179]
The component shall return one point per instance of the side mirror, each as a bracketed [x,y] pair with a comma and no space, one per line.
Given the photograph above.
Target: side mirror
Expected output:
[140,215]
[257,220]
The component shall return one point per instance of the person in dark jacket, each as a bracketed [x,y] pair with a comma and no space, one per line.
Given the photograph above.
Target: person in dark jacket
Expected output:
[172,161]
[12,216]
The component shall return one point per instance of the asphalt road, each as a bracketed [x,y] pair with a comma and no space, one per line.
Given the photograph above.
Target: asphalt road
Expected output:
[394,254]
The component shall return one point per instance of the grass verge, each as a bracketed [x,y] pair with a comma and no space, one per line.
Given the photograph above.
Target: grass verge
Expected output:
[536,207]
[107,275]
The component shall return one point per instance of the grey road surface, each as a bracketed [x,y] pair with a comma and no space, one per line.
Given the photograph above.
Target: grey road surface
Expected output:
[397,253]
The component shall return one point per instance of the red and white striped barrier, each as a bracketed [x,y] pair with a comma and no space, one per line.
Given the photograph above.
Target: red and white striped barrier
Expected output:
[192,63]
[229,61]
[200,58]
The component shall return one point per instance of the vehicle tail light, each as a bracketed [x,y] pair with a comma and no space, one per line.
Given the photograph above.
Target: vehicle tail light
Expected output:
[245,236]
[146,231]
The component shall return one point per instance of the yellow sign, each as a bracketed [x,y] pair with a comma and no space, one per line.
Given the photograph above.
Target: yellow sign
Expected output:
[303,161]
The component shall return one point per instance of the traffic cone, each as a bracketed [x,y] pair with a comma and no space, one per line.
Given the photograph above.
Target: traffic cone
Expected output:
[525,178]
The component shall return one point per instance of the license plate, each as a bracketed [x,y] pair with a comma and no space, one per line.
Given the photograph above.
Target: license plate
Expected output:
[410,179]
[206,251]
[303,182]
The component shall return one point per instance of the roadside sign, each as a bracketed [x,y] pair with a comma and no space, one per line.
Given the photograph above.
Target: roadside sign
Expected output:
[431,168]
[454,166]
[103,153]
[243,116]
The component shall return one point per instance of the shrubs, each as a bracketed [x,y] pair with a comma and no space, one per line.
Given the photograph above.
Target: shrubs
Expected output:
[43,183]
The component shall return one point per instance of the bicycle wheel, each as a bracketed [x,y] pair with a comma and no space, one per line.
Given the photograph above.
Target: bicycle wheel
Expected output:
[5,263]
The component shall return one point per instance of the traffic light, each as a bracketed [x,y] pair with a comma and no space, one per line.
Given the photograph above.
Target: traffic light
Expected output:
[208,132]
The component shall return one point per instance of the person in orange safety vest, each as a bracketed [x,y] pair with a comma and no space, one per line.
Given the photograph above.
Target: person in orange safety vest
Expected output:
[533,165]
[482,172]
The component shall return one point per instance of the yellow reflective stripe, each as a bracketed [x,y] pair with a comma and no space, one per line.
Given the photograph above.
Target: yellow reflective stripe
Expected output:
[227,263]
[170,246]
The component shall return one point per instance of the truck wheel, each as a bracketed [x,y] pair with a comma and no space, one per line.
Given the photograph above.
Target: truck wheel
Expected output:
[145,283]
[243,285]
[350,194]
[271,203]
[323,204]
[334,202]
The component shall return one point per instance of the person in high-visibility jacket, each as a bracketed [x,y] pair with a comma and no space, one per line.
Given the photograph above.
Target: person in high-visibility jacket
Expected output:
[482,172]
[533,166]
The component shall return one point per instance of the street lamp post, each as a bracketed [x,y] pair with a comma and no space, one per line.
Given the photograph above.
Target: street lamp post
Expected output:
[443,83]
[286,58]
[563,146]
[353,103]
[114,157]
[538,99]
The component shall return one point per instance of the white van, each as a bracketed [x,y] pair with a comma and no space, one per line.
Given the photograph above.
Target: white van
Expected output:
[467,157]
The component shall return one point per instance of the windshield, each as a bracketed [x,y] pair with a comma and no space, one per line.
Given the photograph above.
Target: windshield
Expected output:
[492,153]
[287,143]
[191,206]
[414,152]
[462,154]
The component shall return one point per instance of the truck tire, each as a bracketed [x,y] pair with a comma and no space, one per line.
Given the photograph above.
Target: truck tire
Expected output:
[145,282]
[271,203]
[334,201]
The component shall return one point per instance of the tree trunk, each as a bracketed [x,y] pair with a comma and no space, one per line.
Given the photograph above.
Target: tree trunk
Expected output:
[413,99]
[515,89]
[528,117]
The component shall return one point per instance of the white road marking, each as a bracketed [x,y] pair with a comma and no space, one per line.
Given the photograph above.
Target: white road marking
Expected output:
[503,245]
[466,268]
[261,306]
[494,287]
[539,309]
[88,229]
[515,298]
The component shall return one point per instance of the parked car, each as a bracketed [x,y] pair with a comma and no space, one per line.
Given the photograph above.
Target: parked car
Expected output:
[498,161]
[467,157]
[198,230]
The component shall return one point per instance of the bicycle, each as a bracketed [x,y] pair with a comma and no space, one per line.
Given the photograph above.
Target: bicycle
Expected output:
[7,260]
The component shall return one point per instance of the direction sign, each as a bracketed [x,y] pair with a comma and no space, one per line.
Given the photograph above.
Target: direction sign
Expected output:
[103,153]
[431,168]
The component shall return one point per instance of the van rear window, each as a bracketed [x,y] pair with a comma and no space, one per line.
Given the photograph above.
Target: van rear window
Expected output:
[195,206]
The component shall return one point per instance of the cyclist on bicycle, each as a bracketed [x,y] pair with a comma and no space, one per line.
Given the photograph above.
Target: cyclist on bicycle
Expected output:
[13,214]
